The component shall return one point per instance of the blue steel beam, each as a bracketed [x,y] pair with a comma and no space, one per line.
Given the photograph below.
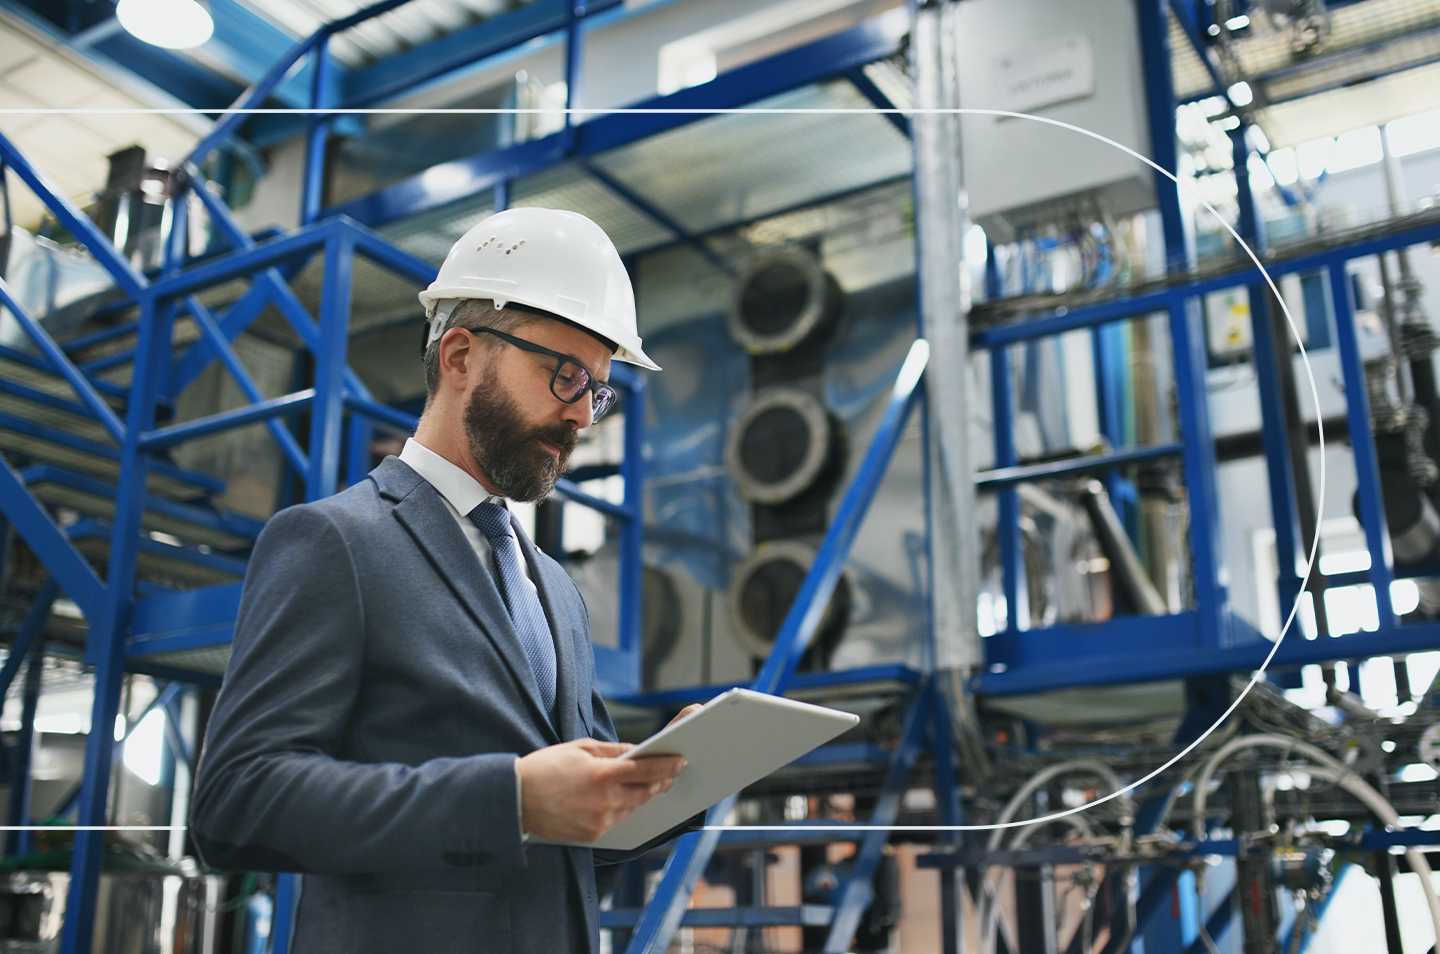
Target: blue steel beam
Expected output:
[1362,443]
[1267,353]
[100,337]
[280,293]
[293,247]
[117,360]
[382,414]
[30,629]
[1217,924]
[1147,648]
[220,345]
[249,45]
[105,645]
[164,437]
[48,541]
[172,731]
[622,668]
[866,87]
[240,315]
[327,412]
[1002,404]
[323,85]
[658,215]
[388,256]
[1087,316]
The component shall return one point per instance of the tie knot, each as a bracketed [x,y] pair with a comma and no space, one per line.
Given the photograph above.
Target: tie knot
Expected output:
[493,521]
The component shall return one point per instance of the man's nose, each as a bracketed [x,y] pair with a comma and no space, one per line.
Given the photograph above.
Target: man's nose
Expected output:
[581,413]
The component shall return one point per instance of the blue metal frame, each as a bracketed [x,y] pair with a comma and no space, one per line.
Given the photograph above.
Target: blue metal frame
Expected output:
[131,631]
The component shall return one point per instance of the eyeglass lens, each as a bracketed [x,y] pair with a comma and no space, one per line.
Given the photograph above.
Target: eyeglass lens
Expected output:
[571,381]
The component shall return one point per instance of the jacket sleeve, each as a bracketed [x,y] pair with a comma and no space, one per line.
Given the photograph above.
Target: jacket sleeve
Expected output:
[273,790]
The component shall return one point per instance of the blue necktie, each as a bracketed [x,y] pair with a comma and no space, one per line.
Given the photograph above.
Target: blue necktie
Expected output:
[520,597]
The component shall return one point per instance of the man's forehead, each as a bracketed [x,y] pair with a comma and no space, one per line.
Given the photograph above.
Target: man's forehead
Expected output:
[560,335]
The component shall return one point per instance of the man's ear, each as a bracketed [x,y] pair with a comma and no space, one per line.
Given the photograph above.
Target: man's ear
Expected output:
[457,354]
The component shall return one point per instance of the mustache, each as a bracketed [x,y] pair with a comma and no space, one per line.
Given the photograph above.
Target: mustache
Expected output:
[560,436]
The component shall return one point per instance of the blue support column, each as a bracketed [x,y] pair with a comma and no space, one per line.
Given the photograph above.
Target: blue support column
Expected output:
[1107,350]
[322,96]
[105,647]
[1267,352]
[358,433]
[287,896]
[632,531]
[1007,525]
[327,412]
[574,28]
[1362,442]
[29,645]
[947,796]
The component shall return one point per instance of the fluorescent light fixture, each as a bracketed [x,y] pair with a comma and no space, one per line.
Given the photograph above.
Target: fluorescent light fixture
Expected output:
[1241,94]
[173,24]
[1237,23]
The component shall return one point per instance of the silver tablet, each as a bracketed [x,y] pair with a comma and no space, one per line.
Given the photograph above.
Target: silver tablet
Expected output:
[736,739]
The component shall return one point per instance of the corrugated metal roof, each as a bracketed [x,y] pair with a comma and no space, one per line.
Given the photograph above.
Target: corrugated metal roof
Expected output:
[399,30]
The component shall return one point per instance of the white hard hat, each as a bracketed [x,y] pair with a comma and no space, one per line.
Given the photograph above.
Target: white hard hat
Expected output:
[557,261]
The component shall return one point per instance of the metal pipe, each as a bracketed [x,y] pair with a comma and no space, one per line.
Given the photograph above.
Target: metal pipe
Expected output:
[1130,572]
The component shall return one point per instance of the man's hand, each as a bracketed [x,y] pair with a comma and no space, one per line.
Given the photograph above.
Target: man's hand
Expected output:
[685,713]
[577,791]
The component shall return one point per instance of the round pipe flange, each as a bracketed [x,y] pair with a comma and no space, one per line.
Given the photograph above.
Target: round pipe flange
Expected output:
[783,296]
[779,446]
[764,586]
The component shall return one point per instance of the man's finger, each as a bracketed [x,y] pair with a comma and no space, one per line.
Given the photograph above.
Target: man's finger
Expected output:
[605,750]
[646,771]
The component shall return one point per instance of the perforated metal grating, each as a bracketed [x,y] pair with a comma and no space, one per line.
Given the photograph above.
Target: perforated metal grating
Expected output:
[1334,88]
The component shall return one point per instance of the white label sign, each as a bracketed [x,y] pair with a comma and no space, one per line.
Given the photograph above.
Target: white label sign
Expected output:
[1039,76]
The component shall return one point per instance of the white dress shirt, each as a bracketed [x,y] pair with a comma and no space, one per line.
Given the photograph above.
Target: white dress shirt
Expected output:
[462,494]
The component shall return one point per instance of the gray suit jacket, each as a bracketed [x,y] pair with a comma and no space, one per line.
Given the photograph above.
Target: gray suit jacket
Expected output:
[366,733]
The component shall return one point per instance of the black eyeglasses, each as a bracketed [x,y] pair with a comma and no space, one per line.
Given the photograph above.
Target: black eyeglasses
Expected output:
[570,380]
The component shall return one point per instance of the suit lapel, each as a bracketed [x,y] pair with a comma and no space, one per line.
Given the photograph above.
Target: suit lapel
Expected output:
[563,628]
[423,513]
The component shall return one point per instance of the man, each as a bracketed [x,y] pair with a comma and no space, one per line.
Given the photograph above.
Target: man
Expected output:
[409,711]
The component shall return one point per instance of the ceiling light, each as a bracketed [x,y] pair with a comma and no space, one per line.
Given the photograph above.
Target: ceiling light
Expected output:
[1237,23]
[173,24]
[1241,94]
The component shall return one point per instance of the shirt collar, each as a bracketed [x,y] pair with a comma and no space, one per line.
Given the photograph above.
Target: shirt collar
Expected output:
[463,492]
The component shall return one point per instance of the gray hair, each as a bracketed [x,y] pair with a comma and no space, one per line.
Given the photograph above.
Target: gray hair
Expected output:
[472,313]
